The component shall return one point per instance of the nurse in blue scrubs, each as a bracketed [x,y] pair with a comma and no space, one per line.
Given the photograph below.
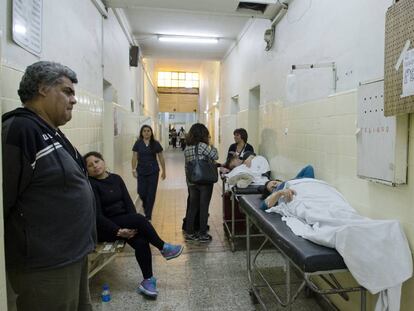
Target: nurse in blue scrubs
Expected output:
[147,153]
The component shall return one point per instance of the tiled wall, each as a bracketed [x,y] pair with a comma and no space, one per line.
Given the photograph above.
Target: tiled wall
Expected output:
[85,129]
[123,149]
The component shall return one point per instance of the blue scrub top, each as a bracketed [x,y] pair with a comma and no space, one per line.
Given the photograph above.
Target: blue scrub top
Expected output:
[147,157]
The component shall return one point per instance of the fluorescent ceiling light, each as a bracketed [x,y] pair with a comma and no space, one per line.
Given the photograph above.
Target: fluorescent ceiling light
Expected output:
[260,1]
[184,39]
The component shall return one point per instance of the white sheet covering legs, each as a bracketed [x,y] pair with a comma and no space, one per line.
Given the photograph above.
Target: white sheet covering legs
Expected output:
[376,252]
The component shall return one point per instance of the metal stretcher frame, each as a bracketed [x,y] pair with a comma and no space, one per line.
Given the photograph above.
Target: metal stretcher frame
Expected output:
[230,225]
[335,286]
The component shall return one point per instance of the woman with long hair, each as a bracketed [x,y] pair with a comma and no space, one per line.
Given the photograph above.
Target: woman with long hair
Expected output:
[198,138]
[147,152]
[116,218]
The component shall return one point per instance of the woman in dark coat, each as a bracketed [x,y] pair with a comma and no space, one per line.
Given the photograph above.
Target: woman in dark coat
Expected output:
[116,218]
[240,145]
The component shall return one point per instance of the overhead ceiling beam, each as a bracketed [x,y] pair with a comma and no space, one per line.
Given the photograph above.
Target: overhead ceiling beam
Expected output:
[122,5]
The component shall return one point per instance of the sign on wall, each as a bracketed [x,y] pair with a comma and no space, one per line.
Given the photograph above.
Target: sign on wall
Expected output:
[408,74]
[27,25]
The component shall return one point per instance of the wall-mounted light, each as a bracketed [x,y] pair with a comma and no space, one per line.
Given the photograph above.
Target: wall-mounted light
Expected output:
[187,39]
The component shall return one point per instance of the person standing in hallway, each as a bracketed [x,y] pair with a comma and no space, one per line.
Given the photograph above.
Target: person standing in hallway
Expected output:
[49,206]
[174,138]
[181,136]
[116,218]
[200,194]
[240,145]
[145,167]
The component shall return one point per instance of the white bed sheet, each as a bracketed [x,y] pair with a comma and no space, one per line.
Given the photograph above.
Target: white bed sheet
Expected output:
[376,252]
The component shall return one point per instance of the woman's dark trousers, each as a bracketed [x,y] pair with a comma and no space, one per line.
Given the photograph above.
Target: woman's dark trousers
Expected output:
[145,236]
[200,196]
[147,190]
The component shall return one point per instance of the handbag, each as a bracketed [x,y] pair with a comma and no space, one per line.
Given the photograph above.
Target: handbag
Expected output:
[201,171]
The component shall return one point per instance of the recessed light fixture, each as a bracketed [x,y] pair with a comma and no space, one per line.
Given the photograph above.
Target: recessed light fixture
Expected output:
[186,39]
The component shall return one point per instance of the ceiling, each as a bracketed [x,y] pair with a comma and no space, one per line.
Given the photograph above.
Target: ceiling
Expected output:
[210,18]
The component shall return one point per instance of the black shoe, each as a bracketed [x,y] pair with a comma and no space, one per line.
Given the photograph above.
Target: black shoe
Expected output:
[191,237]
[205,238]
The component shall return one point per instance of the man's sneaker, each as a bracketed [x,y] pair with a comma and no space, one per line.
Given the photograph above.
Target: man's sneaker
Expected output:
[170,251]
[191,237]
[204,238]
[148,287]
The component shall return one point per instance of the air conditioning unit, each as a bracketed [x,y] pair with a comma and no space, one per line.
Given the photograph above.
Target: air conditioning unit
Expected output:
[260,8]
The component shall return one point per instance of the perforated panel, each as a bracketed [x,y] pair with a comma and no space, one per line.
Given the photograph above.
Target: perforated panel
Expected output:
[381,141]
[399,28]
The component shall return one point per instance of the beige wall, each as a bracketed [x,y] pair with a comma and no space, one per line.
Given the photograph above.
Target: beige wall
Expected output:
[178,102]
[129,127]
[322,133]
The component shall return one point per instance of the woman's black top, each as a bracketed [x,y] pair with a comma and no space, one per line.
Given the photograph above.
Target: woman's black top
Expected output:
[147,157]
[112,199]
[233,151]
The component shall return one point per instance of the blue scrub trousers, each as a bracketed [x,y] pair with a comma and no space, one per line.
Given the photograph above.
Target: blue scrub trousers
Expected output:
[147,190]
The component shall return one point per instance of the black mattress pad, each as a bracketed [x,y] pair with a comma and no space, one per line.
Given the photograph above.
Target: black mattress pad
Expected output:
[308,256]
[251,189]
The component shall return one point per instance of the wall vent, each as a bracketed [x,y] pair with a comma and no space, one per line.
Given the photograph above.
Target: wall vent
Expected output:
[260,8]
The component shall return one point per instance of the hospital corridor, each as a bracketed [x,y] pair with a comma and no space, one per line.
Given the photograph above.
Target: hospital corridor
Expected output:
[200,155]
[204,277]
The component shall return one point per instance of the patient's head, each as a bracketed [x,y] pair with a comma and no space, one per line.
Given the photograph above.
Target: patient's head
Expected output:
[234,162]
[269,187]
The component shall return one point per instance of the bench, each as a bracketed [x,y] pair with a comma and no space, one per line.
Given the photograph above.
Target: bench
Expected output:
[104,253]
[232,218]
[308,258]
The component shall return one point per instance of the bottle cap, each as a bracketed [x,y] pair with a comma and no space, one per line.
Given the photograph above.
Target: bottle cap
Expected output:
[105,287]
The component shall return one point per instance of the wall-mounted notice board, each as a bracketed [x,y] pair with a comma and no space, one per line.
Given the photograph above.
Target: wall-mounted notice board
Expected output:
[399,59]
[382,142]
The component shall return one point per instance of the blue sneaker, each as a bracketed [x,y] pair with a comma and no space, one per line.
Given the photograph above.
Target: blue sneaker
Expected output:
[170,251]
[148,287]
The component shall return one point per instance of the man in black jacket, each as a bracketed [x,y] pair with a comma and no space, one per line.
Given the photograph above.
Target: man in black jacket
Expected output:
[49,206]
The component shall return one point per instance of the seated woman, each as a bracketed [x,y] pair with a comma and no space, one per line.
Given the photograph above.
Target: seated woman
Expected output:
[240,145]
[272,190]
[116,218]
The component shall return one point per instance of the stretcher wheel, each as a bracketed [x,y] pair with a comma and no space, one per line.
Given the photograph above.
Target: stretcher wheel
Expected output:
[253,297]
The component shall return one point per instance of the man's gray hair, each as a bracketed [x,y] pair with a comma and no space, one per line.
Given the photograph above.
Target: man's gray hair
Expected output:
[43,73]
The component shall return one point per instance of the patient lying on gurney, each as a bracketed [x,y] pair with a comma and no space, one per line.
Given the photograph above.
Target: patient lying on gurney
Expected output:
[376,252]
[271,188]
[252,169]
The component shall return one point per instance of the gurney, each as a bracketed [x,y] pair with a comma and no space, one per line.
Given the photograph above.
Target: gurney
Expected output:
[234,222]
[307,258]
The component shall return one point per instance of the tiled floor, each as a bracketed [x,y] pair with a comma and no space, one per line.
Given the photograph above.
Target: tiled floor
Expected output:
[204,277]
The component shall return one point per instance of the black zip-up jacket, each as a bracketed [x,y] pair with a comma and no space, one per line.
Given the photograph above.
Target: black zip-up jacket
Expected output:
[49,206]
[112,200]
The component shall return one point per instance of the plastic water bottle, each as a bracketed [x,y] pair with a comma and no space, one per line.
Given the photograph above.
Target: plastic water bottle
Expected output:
[105,298]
